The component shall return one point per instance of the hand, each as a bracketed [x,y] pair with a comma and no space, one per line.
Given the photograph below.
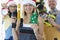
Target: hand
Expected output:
[13,19]
[50,20]
[34,27]
[36,32]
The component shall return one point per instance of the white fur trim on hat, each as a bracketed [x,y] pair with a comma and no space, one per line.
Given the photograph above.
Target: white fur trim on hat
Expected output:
[30,2]
[10,3]
[4,11]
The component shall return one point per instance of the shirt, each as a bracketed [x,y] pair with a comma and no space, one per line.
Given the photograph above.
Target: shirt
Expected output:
[8,27]
[57,13]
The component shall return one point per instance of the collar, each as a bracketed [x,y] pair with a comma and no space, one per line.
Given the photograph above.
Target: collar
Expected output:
[53,10]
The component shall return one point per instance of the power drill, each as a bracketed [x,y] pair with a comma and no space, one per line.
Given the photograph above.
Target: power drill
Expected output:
[49,16]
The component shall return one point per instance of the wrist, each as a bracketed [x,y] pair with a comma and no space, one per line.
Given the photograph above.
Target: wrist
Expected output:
[54,24]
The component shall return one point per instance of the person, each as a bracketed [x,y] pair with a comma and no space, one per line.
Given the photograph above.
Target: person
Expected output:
[54,11]
[4,22]
[12,9]
[31,26]
[4,11]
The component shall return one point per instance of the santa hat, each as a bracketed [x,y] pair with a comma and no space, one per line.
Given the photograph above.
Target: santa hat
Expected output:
[10,3]
[4,10]
[30,2]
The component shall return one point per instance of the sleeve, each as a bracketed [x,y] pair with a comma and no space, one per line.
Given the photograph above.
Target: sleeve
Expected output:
[58,18]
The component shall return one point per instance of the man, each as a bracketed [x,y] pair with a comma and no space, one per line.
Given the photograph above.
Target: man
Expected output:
[56,22]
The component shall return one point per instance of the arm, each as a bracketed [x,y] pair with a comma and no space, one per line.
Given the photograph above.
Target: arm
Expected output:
[54,23]
[15,30]
[17,25]
[35,29]
[38,29]
[15,36]
[41,27]
[37,33]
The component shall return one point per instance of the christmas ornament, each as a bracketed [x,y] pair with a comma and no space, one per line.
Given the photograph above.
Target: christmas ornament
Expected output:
[34,18]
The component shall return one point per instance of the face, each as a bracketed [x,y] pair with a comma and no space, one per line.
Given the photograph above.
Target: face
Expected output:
[28,8]
[52,4]
[12,8]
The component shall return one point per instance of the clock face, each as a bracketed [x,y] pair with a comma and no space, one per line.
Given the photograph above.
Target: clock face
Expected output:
[4,11]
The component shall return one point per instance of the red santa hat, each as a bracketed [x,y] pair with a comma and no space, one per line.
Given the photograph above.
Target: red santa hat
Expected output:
[30,2]
[4,10]
[11,2]
[34,0]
